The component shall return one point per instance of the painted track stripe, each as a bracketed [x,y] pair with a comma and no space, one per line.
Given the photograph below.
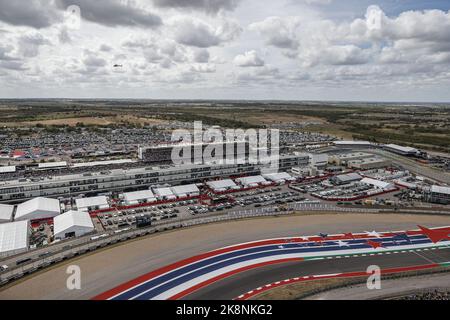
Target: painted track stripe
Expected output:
[228,274]
[266,288]
[215,253]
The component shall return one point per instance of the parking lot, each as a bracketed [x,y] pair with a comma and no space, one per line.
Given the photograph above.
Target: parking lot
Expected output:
[125,219]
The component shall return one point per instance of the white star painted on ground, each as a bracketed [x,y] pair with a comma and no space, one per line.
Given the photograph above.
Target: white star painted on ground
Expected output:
[373,234]
[342,243]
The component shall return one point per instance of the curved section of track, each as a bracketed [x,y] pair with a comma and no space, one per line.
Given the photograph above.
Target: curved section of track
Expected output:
[190,276]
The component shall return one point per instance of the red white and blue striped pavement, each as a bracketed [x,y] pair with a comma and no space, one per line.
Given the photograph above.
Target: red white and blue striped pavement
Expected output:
[184,277]
[270,286]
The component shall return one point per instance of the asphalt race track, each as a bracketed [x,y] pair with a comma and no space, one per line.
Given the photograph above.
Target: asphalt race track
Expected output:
[234,286]
[116,265]
[229,272]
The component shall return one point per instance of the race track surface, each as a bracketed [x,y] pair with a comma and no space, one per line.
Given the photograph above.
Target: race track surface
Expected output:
[114,266]
[178,280]
[233,287]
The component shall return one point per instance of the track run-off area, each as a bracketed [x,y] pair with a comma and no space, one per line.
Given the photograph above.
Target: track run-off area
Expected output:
[191,275]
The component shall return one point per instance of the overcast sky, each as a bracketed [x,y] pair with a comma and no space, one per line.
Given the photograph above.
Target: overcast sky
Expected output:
[379,50]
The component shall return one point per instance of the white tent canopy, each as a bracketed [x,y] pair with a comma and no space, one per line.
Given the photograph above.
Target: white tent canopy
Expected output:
[38,208]
[185,190]
[278,177]
[72,223]
[49,165]
[93,203]
[251,181]
[14,237]
[8,169]
[135,197]
[377,183]
[6,212]
[164,193]
[440,189]
[222,184]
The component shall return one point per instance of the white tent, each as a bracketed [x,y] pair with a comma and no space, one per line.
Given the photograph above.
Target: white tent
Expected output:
[278,177]
[440,189]
[251,181]
[164,193]
[8,169]
[222,185]
[72,223]
[6,212]
[38,208]
[377,183]
[14,237]
[50,165]
[185,190]
[132,198]
[93,203]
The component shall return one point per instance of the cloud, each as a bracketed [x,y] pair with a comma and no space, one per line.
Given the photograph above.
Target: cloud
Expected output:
[13,65]
[200,55]
[34,13]
[411,37]
[5,51]
[319,2]
[29,44]
[193,44]
[196,33]
[113,13]
[64,36]
[165,52]
[249,59]
[203,68]
[334,55]
[105,48]
[94,62]
[209,6]
[280,32]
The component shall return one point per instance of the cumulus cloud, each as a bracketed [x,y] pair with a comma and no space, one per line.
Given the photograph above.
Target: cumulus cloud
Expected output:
[5,52]
[203,68]
[36,13]
[113,13]
[200,55]
[29,44]
[411,37]
[209,6]
[249,59]
[197,43]
[92,61]
[64,36]
[279,32]
[13,65]
[105,48]
[196,33]
[266,74]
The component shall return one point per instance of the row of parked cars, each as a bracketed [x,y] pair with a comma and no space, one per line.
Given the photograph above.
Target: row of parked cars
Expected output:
[256,192]
[308,188]
[270,199]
